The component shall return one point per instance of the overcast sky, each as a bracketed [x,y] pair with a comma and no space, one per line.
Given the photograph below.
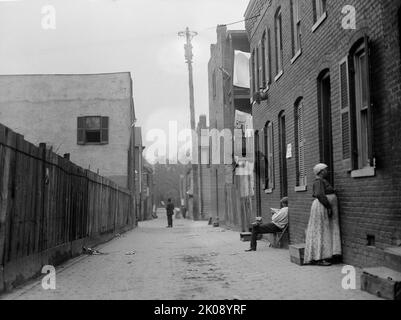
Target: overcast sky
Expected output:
[140,36]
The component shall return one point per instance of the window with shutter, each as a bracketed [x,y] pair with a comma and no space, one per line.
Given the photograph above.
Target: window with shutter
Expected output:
[363,108]
[300,144]
[345,114]
[269,165]
[279,44]
[261,63]
[356,111]
[264,62]
[257,69]
[295,27]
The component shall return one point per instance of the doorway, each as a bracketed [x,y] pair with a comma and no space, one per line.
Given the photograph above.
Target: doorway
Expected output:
[325,124]
[283,155]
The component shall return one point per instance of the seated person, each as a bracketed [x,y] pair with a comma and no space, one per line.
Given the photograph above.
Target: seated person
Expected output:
[278,224]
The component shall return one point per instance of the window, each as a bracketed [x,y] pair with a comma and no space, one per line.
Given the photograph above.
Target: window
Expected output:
[319,9]
[263,60]
[93,130]
[257,69]
[214,85]
[269,59]
[300,144]
[296,27]
[361,106]
[356,111]
[279,42]
[269,160]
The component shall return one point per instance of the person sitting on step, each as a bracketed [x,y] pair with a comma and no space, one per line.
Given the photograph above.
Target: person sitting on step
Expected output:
[278,224]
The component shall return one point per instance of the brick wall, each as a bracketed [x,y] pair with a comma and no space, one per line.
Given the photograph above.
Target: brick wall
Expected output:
[369,206]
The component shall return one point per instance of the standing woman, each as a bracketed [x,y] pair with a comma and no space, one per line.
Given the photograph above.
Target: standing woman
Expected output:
[323,240]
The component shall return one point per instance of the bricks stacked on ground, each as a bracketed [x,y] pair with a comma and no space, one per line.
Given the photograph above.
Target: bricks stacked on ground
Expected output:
[50,208]
[369,205]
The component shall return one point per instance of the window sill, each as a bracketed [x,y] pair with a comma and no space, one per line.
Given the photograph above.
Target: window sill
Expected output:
[92,144]
[301,189]
[280,74]
[297,55]
[266,89]
[269,191]
[319,22]
[364,173]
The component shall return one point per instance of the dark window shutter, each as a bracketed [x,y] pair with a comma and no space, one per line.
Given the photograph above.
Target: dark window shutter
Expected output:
[105,130]
[261,62]
[81,130]
[270,159]
[301,145]
[262,160]
[256,68]
[369,103]
[345,114]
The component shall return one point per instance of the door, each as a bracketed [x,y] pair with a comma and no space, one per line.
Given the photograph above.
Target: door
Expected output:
[283,155]
[326,138]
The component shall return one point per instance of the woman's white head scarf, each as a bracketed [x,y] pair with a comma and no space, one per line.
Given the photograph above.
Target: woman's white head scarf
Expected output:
[319,168]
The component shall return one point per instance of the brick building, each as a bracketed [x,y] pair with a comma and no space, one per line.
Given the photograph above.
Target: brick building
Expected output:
[226,96]
[88,116]
[333,95]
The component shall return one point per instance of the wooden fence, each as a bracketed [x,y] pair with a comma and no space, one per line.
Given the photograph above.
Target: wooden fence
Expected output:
[47,204]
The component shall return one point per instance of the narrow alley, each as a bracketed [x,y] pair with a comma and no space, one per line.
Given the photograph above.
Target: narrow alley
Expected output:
[192,261]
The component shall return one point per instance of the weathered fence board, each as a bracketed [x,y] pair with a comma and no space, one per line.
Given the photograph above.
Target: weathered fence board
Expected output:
[47,202]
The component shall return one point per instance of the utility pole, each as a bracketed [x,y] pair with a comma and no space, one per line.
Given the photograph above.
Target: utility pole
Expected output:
[189,35]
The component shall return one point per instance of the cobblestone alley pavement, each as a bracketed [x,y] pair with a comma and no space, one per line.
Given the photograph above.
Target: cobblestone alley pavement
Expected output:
[193,261]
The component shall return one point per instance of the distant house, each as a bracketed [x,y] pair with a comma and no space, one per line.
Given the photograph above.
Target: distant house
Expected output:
[148,198]
[231,194]
[90,117]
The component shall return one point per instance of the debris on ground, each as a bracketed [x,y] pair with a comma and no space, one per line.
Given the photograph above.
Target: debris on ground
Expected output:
[131,253]
[90,251]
